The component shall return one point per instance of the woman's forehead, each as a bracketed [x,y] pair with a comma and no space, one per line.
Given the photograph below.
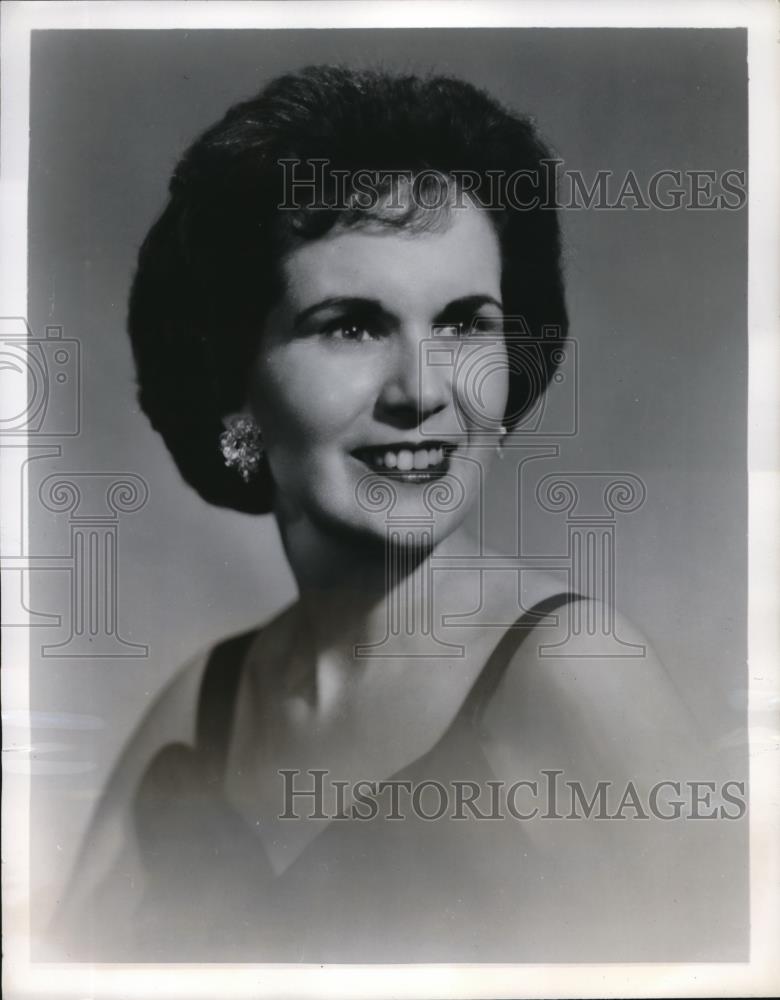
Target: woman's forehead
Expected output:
[413,267]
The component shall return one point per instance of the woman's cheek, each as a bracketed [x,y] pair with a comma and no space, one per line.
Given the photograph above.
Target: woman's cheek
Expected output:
[321,385]
[343,393]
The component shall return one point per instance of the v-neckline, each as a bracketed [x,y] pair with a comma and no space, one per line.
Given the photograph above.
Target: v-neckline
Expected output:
[227,663]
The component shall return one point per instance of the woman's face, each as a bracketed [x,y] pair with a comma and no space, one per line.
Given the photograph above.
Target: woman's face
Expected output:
[371,371]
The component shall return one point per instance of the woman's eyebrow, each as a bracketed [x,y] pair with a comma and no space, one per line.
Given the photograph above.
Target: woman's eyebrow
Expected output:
[468,304]
[366,306]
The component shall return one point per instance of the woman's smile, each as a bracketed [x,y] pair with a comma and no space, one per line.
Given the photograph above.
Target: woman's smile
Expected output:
[408,461]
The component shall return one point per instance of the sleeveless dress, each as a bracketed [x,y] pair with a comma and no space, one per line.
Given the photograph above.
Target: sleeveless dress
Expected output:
[379,890]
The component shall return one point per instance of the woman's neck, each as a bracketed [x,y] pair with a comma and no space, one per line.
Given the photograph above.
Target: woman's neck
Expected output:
[361,591]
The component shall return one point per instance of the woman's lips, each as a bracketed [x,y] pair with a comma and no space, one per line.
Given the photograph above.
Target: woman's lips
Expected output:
[409,463]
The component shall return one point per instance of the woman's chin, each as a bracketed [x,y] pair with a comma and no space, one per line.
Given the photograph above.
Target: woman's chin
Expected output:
[410,525]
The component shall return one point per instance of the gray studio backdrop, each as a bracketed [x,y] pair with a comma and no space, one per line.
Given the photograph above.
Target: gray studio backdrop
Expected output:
[658,310]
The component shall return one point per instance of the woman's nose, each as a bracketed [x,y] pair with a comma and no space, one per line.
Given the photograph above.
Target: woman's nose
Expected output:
[416,387]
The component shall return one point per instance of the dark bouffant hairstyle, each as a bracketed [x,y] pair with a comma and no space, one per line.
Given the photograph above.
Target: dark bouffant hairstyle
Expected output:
[208,269]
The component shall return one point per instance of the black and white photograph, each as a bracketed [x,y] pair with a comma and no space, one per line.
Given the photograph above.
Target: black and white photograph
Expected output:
[390,459]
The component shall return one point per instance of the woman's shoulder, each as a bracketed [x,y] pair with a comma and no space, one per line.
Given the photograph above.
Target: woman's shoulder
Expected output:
[107,846]
[585,691]
[587,722]
[108,862]
[173,717]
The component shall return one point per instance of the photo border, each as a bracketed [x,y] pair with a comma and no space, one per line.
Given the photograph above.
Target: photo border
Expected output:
[761,975]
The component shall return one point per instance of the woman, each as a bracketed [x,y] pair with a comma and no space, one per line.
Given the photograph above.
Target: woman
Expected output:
[284,320]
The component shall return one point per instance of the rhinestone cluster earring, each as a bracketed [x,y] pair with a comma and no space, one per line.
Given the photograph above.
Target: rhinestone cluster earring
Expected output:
[241,444]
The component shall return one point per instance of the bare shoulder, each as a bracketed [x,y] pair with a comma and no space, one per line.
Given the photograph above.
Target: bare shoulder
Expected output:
[586,691]
[589,720]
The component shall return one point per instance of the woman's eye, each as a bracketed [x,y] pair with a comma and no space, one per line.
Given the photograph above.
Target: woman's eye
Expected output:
[492,326]
[460,328]
[354,332]
[450,329]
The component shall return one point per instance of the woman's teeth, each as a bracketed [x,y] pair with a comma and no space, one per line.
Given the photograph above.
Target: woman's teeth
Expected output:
[408,459]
